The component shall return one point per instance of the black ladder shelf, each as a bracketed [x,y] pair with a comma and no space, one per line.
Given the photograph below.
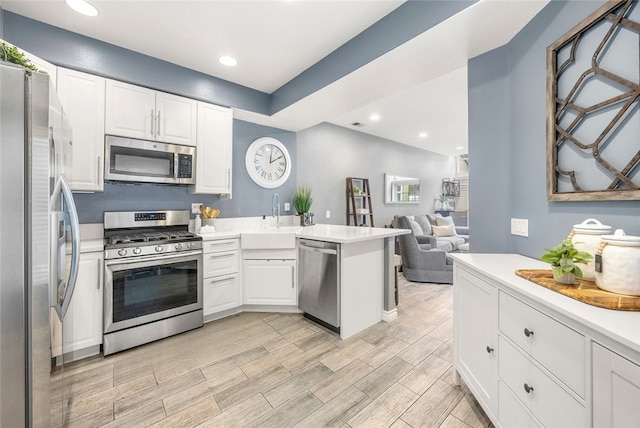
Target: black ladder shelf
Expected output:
[359,203]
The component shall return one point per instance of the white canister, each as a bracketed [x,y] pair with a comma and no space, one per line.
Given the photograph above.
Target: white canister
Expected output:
[619,260]
[586,237]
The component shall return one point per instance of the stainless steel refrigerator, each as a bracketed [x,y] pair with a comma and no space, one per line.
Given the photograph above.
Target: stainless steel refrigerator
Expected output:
[37,221]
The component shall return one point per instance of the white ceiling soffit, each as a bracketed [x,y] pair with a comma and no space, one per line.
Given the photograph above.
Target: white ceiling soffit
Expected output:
[419,86]
[273,41]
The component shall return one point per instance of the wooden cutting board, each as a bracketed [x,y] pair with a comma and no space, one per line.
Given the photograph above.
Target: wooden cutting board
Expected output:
[585,291]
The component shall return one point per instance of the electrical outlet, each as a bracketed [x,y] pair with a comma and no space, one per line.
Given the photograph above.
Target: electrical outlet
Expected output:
[327,214]
[520,227]
[287,206]
[195,207]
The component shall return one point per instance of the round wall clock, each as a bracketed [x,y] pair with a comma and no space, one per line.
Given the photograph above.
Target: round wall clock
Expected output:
[268,162]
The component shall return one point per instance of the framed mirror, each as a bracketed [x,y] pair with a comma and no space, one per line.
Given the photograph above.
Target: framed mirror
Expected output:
[401,190]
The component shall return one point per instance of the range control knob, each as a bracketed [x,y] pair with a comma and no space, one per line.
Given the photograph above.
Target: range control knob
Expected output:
[122,252]
[137,250]
[178,247]
[159,248]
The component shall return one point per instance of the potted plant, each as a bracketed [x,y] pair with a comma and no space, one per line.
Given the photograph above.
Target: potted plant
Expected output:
[302,203]
[563,259]
[13,54]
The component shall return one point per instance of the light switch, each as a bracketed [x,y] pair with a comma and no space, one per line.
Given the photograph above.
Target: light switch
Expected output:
[327,214]
[287,206]
[520,227]
[195,207]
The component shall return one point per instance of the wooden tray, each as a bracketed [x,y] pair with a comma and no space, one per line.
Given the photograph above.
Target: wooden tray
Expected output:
[584,291]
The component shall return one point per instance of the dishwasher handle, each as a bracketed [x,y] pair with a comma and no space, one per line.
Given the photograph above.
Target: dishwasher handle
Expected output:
[318,250]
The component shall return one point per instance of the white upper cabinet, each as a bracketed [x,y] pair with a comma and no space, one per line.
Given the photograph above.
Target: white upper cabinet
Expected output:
[82,97]
[214,150]
[137,112]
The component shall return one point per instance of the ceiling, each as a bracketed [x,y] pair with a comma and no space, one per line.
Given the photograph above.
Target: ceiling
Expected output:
[421,86]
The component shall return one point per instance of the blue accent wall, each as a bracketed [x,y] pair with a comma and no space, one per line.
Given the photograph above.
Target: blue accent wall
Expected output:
[248,200]
[507,143]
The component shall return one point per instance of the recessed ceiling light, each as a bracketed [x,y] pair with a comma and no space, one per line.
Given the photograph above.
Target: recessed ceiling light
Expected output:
[83,7]
[422,135]
[374,117]
[227,60]
[459,148]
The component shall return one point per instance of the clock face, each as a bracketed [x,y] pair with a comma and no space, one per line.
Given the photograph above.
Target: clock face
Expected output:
[268,162]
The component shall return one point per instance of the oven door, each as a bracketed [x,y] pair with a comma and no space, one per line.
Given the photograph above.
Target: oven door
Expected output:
[143,290]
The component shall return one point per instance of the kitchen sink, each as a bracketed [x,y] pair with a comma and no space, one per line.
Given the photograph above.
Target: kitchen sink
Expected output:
[275,238]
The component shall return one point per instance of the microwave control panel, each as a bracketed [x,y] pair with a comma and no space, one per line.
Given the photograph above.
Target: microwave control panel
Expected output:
[185,166]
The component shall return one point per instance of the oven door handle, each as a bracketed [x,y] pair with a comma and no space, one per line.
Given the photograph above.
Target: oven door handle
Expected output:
[154,257]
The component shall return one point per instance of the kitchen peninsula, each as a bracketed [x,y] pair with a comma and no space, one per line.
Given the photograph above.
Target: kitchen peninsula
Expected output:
[366,270]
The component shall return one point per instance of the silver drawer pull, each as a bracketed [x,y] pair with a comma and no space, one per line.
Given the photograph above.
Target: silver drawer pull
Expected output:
[489,349]
[528,332]
[528,388]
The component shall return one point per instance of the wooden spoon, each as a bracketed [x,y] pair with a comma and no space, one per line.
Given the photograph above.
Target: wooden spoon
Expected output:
[203,211]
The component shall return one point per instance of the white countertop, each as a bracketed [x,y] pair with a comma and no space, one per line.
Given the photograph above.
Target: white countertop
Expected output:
[320,232]
[607,325]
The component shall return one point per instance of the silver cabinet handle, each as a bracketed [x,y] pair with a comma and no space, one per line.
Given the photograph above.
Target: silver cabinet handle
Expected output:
[224,278]
[228,177]
[153,128]
[99,272]
[158,124]
[99,170]
[293,277]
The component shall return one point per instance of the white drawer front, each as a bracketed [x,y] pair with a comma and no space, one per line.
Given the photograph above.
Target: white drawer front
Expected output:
[512,413]
[220,245]
[221,293]
[555,346]
[215,264]
[546,399]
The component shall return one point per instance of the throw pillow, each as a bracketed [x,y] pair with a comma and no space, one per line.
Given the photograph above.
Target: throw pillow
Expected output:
[432,218]
[444,221]
[415,227]
[448,230]
[424,223]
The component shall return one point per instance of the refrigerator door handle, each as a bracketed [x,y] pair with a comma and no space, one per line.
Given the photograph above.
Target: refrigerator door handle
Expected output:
[70,207]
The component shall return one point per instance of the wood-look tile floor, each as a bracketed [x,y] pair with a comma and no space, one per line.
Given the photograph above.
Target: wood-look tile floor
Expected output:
[281,370]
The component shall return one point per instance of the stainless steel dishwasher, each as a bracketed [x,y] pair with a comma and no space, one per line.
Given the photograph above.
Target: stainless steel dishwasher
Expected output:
[319,282]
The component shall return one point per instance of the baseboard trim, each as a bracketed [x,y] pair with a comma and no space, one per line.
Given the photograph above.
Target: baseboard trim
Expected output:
[388,316]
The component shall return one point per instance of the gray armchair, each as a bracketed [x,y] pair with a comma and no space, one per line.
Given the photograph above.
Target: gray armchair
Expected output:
[420,263]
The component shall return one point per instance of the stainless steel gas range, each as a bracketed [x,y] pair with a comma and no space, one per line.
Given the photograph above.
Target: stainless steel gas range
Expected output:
[153,286]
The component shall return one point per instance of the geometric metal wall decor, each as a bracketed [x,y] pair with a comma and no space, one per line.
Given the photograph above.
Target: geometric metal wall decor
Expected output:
[593,107]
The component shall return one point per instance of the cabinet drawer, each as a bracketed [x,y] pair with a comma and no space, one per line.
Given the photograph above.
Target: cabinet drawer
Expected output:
[546,399]
[555,346]
[215,264]
[512,412]
[220,245]
[221,293]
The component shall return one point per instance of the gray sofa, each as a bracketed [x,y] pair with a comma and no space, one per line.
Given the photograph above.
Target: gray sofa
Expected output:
[420,262]
[423,230]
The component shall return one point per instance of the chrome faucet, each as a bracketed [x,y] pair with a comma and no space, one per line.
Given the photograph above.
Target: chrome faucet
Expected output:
[275,208]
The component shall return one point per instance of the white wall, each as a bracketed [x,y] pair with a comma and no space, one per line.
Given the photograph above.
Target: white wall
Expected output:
[328,154]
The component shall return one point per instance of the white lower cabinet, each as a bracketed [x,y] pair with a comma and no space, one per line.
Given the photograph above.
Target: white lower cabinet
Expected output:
[83,320]
[221,275]
[616,390]
[269,282]
[549,368]
[476,321]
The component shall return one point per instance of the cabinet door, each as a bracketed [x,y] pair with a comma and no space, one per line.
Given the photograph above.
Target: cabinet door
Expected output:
[82,326]
[616,390]
[130,110]
[269,282]
[82,97]
[476,336]
[221,293]
[214,145]
[175,119]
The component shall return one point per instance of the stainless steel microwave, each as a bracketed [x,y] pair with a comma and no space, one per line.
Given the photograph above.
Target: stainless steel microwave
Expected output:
[142,161]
